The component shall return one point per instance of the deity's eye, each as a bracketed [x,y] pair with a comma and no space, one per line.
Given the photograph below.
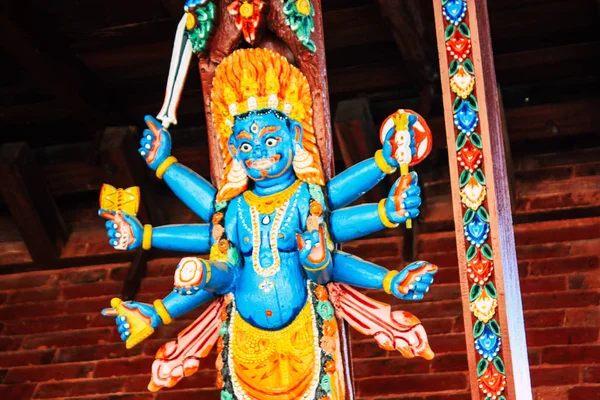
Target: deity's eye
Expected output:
[271,142]
[246,147]
[254,128]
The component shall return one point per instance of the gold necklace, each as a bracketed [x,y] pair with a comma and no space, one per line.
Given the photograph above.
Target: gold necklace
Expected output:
[268,204]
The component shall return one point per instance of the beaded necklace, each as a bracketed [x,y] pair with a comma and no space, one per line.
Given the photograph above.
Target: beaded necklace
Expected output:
[283,200]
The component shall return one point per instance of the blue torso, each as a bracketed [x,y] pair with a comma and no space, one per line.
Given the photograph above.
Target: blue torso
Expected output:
[270,300]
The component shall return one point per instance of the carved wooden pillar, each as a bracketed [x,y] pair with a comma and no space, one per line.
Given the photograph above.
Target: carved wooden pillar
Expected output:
[276,34]
[494,326]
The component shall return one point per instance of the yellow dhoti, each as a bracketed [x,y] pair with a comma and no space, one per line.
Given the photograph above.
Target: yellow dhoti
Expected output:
[300,361]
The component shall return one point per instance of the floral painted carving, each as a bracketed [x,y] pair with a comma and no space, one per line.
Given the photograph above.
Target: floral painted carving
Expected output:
[247,17]
[299,17]
[473,193]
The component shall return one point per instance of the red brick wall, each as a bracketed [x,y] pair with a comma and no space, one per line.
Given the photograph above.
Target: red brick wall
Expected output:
[55,344]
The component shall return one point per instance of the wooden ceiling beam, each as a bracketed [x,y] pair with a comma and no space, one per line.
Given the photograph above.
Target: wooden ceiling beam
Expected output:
[32,205]
[414,36]
[357,137]
[59,77]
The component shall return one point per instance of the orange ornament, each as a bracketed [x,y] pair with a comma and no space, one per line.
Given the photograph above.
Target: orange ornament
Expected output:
[330,367]
[220,381]
[329,327]
[220,344]
[321,293]
[316,208]
[217,217]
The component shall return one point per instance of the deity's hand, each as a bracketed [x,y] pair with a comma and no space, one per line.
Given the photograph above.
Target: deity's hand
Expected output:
[312,247]
[135,321]
[124,231]
[399,144]
[404,199]
[156,143]
[413,281]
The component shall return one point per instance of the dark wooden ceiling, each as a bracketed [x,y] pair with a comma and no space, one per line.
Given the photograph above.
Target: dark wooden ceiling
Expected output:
[72,68]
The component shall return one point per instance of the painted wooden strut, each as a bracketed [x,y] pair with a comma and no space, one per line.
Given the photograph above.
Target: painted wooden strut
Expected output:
[279,286]
[494,325]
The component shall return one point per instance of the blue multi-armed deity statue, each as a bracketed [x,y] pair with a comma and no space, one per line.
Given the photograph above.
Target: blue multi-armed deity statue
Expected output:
[276,280]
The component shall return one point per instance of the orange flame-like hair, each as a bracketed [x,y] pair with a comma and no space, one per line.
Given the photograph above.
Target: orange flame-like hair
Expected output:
[255,79]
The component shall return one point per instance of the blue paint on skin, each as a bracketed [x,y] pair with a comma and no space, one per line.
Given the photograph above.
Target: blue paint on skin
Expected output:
[265,143]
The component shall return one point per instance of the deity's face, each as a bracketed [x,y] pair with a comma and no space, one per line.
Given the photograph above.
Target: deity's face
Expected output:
[264,142]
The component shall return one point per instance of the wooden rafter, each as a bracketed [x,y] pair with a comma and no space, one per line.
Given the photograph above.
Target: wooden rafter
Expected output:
[32,205]
[413,36]
[356,137]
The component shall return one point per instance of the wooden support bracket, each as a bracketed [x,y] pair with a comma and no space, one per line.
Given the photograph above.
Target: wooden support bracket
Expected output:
[31,204]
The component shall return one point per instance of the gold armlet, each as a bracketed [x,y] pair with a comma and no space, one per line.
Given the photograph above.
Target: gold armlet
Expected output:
[387,281]
[382,164]
[162,312]
[383,216]
[318,268]
[162,168]
[147,238]
[207,267]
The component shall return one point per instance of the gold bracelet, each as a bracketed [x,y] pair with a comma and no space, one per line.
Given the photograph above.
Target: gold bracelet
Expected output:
[162,168]
[387,281]
[383,216]
[207,265]
[147,238]
[162,312]
[382,164]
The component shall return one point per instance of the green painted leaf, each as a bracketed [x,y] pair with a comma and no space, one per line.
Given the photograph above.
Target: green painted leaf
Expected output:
[481,366]
[461,140]
[453,67]
[494,327]
[469,215]
[473,103]
[450,31]
[464,177]
[499,365]
[483,214]
[444,2]
[476,140]
[464,29]
[471,253]
[491,290]
[457,104]
[468,66]
[478,329]
[478,174]
[475,292]
[486,251]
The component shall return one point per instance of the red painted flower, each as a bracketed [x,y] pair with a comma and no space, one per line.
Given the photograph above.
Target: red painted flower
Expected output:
[247,17]
[492,382]
[480,269]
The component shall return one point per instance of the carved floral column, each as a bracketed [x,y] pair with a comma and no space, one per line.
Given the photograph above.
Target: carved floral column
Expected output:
[493,315]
